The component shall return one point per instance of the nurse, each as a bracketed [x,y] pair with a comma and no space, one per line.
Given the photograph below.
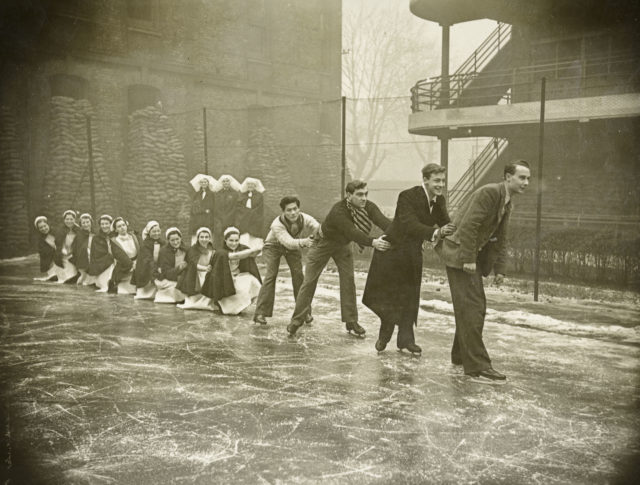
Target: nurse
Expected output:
[147,262]
[171,264]
[197,273]
[235,280]
[101,262]
[250,213]
[125,248]
[65,260]
[46,249]
[82,249]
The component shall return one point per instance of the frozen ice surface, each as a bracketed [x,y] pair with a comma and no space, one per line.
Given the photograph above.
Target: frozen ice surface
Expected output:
[104,389]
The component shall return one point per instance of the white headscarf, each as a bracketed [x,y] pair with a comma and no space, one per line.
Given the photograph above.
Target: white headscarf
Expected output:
[195,182]
[150,225]
[230,230]
[171,230]
[201,230]
[258,185]
[115,221]
[235,185]
[70,211]
[39,219]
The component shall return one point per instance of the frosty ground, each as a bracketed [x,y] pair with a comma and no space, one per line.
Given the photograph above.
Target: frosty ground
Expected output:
[104,389]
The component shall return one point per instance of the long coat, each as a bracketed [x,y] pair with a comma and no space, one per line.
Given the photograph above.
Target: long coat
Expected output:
[250,220]
[393,284]
[226,201]
[146,266]
[46,251]
[101,256]
[219,282]
[481,232]
[202,211]
[187,280]
[166,266]
[123,262]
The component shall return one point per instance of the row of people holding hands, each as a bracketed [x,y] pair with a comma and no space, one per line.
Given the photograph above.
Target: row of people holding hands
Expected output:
[160,267]
[115,260]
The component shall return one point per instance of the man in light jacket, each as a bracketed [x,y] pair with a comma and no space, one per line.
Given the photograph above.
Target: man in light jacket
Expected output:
[289,233]
[477,247]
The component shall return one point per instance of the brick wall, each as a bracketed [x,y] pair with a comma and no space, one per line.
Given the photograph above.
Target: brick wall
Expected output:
[226,55]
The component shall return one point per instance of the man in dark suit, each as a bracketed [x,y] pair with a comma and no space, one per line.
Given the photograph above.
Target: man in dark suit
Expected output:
[475,249]
[393,285]
[349,220]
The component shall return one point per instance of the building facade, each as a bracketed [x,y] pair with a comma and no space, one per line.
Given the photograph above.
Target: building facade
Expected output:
[588,53]
[137,75]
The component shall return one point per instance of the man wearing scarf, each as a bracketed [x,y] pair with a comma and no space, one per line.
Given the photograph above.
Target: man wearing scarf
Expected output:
[349,220]
[288,234]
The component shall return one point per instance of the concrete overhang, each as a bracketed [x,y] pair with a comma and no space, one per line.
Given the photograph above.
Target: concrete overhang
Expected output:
[576,12]
[499,119]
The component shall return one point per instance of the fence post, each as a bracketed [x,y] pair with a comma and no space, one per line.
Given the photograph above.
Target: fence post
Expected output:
[536,276]
[204,130]
[92,190]
[343,136]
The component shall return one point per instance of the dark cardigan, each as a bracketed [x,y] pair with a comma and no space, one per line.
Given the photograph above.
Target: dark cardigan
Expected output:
[146,266]
[101,257]
[46,252]
[166,266]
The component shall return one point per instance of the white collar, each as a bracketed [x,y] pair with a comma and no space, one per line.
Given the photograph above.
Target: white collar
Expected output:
[426,192]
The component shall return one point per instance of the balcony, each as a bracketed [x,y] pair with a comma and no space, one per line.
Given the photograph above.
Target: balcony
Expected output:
[475,103]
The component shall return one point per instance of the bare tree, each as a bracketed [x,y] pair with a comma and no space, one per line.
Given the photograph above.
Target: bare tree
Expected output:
[383,57]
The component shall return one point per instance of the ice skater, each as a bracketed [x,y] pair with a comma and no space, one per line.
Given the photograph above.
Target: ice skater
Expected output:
[349,220]
[289,233]
[477,247]
[392,290]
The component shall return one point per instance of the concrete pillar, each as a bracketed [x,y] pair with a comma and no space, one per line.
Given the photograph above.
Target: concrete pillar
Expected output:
[444,71]
[444,156]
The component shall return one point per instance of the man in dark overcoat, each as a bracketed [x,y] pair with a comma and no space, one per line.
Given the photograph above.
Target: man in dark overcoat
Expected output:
[392,290]
[477,247]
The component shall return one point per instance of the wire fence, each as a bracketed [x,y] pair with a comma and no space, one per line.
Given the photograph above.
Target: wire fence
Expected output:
[144,159]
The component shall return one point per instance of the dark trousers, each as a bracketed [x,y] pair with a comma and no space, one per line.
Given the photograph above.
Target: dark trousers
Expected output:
[317,259]
[405,332]
[469,308]
[271,255]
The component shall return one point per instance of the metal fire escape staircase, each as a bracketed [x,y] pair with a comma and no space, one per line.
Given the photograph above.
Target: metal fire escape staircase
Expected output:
[483,162]
[467,87]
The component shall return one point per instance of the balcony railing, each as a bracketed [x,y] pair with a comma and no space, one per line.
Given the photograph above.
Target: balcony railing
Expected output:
[474,64]
[574,78]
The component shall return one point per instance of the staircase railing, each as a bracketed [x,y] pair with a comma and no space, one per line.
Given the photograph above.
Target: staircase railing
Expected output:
[480,166]
[467,71]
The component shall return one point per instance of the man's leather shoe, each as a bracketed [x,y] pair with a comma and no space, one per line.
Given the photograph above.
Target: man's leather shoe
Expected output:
[308,318]
[355,328]
[489,373]
[413,348]
[260,319]
[292,328]
[380,345]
